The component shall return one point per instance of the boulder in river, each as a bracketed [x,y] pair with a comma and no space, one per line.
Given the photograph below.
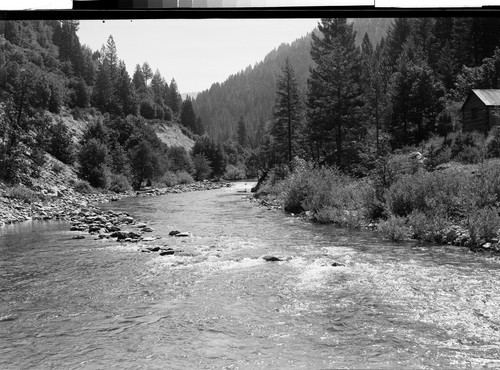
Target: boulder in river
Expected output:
[124,235]
[167,252]
[272,258]
[127,219]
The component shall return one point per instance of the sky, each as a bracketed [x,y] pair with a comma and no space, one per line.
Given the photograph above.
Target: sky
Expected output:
[196,52]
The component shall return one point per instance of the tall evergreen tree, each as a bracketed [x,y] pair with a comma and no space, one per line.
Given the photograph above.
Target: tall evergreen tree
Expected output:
[147,72]
[416,96]
[188,117]
[375,75]
[397,35]
[241,133]
[111,56]
[138,80]
[334,92]
[103,88]
[287,112]
[174,98]
[124,91]
[157,84]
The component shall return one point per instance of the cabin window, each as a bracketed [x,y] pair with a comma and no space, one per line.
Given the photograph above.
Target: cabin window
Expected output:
[473,113]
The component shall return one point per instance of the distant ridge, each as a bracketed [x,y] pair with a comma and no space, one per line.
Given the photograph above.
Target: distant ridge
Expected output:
[250,93]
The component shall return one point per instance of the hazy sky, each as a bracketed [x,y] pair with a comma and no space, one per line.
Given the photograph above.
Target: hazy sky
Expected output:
[196,52]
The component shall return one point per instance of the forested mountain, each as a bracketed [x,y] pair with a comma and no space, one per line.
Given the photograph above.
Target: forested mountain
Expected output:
[403,93]
[45,71]
[251,93]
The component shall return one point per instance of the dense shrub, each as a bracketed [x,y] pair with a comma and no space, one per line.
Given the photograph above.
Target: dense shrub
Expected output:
[202,168]
[427,191]
[179,159]
[119,183]
[169,179]
[394,228]
[83,187]
[147,109]
[92,158]
[486,187]
[61,143]
[467,147]
[428,227]
[145,162]
[373,202]
[184,178]
[329,195]
[493,142]
[436,151]
[483,224]
[234,172]
[57,167]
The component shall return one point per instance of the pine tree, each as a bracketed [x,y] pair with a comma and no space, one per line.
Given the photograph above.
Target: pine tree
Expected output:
[188,117]
[416,97]
[146,72]
[374,82]
[287,112]
[174,98]
[138,80]
[93,157]
[103,89]
[397,35]
[242,136]
[334,92]
[145,163]
[124,91]
[111,56]
[422,32]
[157,84]
[463,41]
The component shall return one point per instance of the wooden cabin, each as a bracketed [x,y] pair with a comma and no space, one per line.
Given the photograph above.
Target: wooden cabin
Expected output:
[481,110]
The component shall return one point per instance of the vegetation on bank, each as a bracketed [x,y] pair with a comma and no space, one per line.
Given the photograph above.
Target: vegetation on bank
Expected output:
[378,138]
[405,197]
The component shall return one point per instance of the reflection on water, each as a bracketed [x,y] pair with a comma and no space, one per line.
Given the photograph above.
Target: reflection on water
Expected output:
[88,303]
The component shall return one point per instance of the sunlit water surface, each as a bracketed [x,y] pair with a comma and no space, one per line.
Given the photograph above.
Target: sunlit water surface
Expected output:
[88,303]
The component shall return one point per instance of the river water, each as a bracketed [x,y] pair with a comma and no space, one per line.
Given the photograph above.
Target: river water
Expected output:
[71,304]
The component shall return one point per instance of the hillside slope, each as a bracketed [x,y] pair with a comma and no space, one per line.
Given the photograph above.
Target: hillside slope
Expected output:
[251,92]
[172,135]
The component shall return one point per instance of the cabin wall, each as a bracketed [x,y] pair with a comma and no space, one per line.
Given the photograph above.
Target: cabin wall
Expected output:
[475,115]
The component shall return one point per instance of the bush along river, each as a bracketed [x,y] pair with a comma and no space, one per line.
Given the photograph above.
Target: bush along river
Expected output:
[239,287]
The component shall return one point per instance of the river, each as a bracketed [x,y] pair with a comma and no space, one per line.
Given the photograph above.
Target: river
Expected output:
[94,304]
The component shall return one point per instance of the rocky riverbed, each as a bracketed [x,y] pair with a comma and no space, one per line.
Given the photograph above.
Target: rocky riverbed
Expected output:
[64,203]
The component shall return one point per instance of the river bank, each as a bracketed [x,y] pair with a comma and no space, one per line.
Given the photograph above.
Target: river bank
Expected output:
[453,205]
[64,202]
[456,235]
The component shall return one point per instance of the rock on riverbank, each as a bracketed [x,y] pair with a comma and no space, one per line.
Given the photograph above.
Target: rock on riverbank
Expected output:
[63,202]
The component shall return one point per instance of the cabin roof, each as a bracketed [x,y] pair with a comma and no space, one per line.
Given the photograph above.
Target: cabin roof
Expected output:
[489,97]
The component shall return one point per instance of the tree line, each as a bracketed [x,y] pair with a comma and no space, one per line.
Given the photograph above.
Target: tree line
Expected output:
[44,70]
[363,102]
